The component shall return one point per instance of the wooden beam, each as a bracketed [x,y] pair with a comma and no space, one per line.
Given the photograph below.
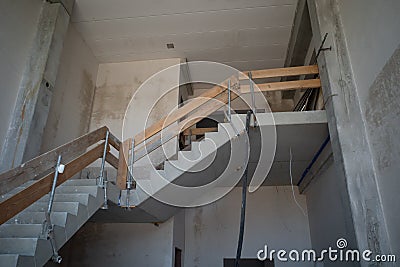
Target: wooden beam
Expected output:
[199,131]
[114,141]
[20,201]
[180,113]
[281,86]
[43,163]
[123,163]
[112,160]
[281,72]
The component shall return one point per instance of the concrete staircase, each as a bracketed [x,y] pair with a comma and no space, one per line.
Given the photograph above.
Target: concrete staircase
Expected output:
[219,154]
[20,238]
[206,160]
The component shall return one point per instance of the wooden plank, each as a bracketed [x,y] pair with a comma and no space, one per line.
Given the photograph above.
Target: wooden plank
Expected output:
[112,160]
[199,131]
[122,163]
[20,201]
[114,141]
[180,113]
[281,72]
[43,163]
[281,86]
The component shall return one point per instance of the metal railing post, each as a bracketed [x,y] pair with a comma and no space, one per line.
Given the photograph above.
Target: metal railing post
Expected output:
[102,180]
[103,160]
[253,100]
[48,227]
[129,180]
[105,182]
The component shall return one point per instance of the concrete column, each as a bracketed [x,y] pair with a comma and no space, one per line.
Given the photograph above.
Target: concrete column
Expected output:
[347,128]
[24,135]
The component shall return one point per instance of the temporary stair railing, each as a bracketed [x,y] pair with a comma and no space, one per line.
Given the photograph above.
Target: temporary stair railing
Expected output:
[183,118]
[83,151]
[45,169]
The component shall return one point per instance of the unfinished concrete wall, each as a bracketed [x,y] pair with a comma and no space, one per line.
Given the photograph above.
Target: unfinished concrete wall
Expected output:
[116,85]
[71,106]
[329,212]
[273,219]
[372,36]
[120,244]
[18,22]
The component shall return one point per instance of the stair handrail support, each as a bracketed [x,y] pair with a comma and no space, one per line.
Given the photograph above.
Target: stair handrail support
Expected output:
[48,227]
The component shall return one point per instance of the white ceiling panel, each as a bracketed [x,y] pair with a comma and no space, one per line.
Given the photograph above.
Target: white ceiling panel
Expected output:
[194,41]
[89,10]
[274,16]
[249,34]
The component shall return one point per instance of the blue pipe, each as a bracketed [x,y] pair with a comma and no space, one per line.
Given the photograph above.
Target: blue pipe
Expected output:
[314,160]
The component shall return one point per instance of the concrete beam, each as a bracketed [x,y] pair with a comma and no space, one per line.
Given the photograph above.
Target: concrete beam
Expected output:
[30,115]
[350,147]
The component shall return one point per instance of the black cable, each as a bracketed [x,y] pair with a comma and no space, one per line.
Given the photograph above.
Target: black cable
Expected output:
[244,197]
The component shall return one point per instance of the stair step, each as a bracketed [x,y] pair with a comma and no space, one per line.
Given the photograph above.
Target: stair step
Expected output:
[63,219]
[31,231]
[20,230]
[92,204]
[82,198]
[9,260]
[70,207]
[21,246]
[80,182]
[92,190]
[27,248]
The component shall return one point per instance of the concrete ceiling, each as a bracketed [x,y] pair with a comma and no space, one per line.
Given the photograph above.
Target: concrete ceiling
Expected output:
[246,34]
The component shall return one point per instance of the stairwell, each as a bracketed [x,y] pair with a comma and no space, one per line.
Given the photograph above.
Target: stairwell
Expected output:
[27,189]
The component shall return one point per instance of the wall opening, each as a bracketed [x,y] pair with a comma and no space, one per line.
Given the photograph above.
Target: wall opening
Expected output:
[178,257]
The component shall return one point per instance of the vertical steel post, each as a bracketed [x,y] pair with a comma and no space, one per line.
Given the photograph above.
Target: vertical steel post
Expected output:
[253,100]
[48,228]
[103,160]
[105,181]
[129,181]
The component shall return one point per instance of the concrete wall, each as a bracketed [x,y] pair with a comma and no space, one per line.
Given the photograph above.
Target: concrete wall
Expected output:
[273,219]
[116,85]
[71,106]
[120,244]
[18,22]
[329,212]
[371,30]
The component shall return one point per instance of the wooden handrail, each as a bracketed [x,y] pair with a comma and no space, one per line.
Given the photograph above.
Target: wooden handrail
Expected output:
[45,163]
[23,199]
[281,72]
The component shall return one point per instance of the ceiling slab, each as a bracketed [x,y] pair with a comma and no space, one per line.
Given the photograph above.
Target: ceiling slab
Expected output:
[249,34]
